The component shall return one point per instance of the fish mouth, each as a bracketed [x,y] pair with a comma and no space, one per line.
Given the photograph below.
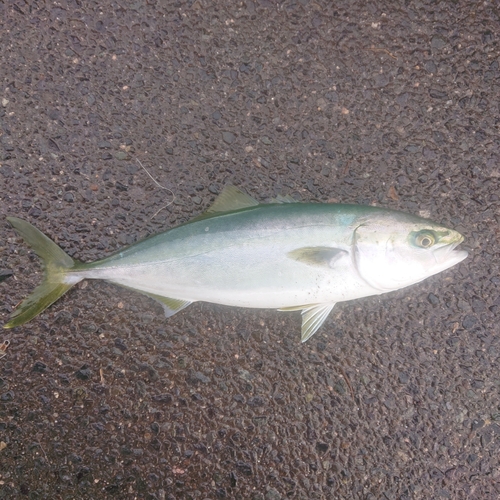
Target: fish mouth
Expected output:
[459,255]
[448,254]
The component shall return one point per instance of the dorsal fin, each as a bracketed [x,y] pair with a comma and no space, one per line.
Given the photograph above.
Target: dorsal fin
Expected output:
[231,198]
[283,199]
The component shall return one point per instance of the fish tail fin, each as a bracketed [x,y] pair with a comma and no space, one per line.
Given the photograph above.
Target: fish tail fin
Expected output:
[56,263]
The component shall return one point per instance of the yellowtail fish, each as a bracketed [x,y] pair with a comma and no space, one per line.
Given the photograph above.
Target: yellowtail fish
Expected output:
[284,255]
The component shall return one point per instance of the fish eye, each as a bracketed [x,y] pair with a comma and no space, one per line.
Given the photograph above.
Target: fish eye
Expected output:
[425,239]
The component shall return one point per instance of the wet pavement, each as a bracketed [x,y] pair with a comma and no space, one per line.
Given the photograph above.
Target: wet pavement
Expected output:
[397,396]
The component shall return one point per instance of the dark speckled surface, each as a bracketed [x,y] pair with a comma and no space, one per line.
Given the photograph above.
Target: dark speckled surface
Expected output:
[396,397]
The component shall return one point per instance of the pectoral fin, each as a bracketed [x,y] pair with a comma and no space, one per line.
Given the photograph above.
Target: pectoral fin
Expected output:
[318,256]
[312,318]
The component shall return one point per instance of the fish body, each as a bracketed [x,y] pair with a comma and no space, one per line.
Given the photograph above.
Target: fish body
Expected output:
[287,256]
[245,259]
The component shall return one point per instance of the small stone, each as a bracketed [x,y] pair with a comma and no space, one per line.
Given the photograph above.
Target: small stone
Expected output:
[469,322]
[63,317]
[121,155]
[244,468]
[332,96]
[430,67]
[438,94]
[88,328]
[339,387]
[381,80]
[322,447]
[390,403]
[6,171]
[196,377]
[486,439]
[260,421]
[487,36]
[39,367]
[84,373]
[120,344]
[428,153]
[152,373]
[272,494]
[477,424]
[321,103]
[413,148]
[163,398]
[255,401]
[433,299]
[478,305]
[245,375]
[7,396]
[4,274]
[438,43]
[228,137]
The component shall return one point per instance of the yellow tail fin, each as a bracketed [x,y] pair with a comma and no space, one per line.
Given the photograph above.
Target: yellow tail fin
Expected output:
[55,261]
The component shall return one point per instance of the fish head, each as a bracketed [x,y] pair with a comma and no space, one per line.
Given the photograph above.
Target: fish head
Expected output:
[393,250]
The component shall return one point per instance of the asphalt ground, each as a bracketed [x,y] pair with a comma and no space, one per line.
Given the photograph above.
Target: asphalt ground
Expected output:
[394,104]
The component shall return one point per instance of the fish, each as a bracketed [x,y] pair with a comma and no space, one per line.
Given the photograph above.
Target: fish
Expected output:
[282,255]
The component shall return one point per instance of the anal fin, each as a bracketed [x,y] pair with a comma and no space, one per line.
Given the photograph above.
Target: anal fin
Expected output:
[293,308]
[170,306]
[312,318]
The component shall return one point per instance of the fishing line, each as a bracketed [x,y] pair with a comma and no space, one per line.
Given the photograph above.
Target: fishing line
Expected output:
[160,186]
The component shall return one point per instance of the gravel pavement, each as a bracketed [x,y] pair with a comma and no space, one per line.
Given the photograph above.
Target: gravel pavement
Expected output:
[389,103]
